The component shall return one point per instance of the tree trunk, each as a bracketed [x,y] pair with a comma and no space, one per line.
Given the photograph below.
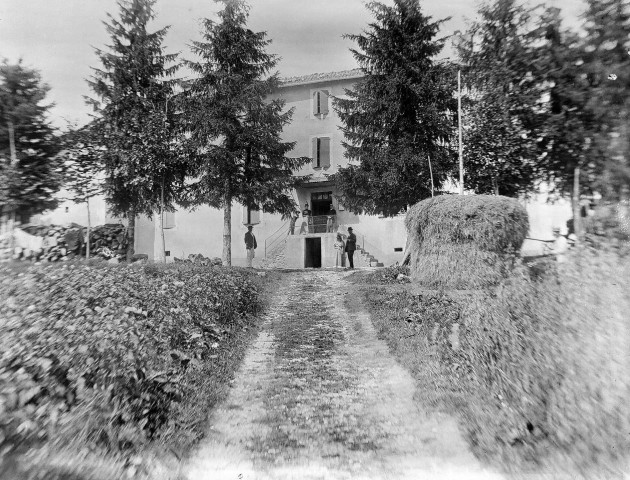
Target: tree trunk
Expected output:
[227,231]
[87,237]
[495,185]
[12,142]
[577,220]
[131,234]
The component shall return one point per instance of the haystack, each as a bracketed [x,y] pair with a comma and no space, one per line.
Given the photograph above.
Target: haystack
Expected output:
[464,241]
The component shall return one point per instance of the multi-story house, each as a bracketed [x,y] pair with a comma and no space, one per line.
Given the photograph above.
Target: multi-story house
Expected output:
[315,129]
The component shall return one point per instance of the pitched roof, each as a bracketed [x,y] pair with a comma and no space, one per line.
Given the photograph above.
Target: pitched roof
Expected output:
[321,77]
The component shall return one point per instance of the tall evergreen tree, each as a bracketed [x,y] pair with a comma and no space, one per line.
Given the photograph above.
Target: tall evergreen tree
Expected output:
[605,52]
[235,130]
[399,115]
[144,169]
[28,144]
[502,115]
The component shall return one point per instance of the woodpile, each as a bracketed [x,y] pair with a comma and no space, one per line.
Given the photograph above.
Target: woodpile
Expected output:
[53,243]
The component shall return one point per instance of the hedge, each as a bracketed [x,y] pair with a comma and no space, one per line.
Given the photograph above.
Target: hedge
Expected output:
[101,354]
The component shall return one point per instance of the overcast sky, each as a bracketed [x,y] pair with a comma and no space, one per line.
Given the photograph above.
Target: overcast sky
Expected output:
[57,36]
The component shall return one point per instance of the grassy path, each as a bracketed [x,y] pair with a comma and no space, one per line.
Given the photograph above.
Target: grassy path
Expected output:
[320,397]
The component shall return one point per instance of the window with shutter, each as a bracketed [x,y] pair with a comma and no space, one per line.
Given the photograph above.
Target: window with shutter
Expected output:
[321,152]
[168,220]
[316,152]
[324,152]
[320,102]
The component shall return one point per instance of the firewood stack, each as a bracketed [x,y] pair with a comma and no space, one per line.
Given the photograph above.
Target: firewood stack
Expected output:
[53,243]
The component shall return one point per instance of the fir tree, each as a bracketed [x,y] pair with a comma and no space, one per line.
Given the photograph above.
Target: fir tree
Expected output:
[144,171]
[605,53]
[28,144]
[235,130]
[399,115]
[499,53]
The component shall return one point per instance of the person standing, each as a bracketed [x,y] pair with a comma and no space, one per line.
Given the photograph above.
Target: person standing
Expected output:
[351,246]
[294,217]
[330,220]
[560,246]
[306,214]
[250,245]
[339,247]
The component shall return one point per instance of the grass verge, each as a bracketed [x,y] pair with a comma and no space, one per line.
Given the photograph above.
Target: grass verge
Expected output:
[532,368]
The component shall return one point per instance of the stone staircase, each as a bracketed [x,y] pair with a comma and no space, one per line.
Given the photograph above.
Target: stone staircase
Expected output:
[275,258]
[362,258]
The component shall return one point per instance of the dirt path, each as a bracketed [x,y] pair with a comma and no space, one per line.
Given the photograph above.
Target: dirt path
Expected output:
[320,397]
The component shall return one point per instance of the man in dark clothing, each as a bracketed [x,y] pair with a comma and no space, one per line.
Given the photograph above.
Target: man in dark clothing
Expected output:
[351,246]
[250,245]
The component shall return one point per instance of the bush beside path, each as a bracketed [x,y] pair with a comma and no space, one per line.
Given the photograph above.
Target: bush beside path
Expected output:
[319,396]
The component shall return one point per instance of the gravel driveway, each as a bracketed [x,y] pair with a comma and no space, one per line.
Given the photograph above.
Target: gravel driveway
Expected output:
[320,397]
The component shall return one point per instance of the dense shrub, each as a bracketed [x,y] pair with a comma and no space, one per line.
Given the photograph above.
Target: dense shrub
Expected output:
[99,354]
[464,241]
[538,366]
[548,356]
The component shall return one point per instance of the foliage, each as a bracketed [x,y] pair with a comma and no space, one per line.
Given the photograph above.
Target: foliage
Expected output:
[99,356]
[398,116]
[82,160]
[533,368]
[383,276]
[28,144]
[235,129]
[143,167]
[503,75]
[464,241]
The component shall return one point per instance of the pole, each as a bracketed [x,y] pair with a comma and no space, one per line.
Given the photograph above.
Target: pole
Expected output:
[431,173]
[577,221]
[459,118]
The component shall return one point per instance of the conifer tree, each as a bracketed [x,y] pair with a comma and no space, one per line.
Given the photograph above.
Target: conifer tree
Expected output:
[28,144]
[234,129]
[605,53]
[503,76]
[144,171]
[399,115]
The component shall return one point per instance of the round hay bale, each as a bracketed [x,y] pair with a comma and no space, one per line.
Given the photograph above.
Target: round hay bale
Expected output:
[464,241]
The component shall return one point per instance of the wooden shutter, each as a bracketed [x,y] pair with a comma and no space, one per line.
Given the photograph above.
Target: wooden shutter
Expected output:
[323,102]
[168,220]
[316,100]
[315,152]
[324,152]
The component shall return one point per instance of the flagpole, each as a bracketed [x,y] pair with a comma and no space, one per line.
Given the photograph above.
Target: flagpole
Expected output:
[459,118]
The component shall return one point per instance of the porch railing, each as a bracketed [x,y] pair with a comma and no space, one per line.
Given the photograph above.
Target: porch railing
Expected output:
[319,223]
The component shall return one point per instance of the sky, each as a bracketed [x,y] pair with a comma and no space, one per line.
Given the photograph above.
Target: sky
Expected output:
[58,37]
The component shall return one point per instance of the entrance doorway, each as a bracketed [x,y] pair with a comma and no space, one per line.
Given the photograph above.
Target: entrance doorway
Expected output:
[321,202]
[313,253]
